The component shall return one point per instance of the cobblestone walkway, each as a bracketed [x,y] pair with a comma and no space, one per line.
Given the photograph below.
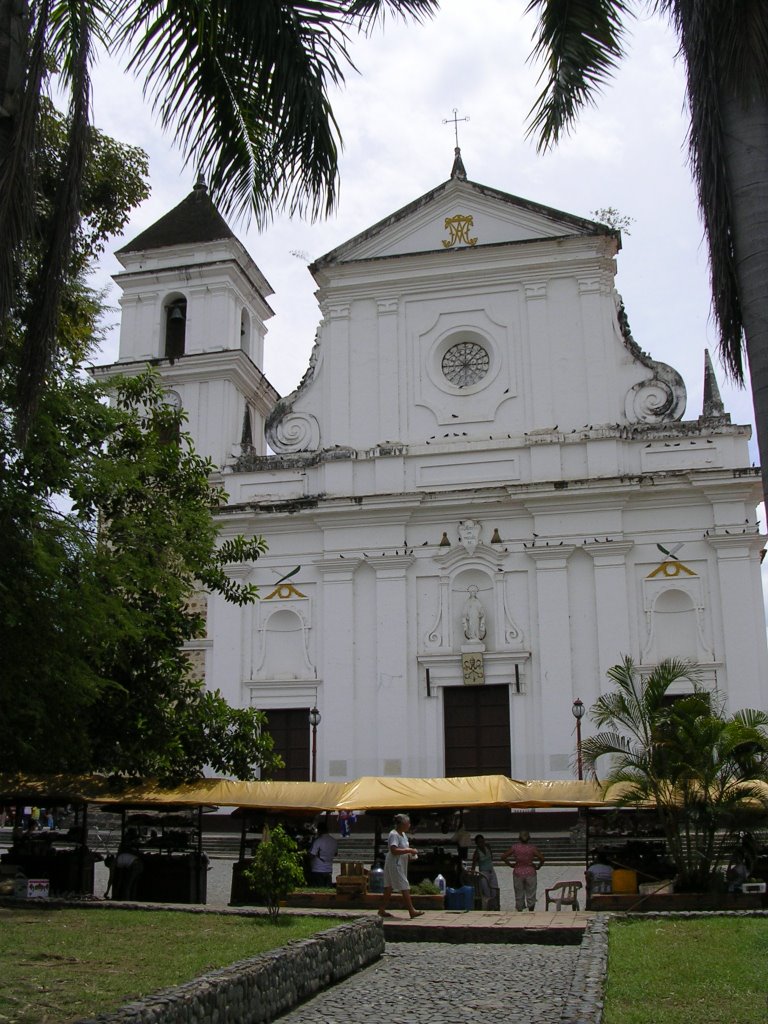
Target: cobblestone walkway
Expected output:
[435,983]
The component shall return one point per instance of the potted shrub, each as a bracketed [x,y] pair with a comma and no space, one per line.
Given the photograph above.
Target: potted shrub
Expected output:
[276,869]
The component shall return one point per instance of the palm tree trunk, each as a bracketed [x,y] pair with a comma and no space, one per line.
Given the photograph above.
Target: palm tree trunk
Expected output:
[13,30]
[745,150]
[40,338]
[22,64]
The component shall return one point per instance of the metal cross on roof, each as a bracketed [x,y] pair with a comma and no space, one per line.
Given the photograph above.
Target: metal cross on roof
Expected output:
[455,122]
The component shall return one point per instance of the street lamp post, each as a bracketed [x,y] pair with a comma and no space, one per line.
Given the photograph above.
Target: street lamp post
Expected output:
[578,710]
[314,720]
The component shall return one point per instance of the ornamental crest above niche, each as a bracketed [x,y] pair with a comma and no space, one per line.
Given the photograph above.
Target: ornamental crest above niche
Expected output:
[469,534]
[458,230]
[670,566]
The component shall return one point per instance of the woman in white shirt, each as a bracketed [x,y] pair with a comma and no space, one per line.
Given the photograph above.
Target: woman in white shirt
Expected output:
[399,852]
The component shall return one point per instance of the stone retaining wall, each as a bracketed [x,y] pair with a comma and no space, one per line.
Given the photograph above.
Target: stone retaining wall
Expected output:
[586,993]
[263,987]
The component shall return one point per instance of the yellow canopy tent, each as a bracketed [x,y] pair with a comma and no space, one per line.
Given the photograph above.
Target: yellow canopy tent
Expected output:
[369,793]
[308,797]
[372,793]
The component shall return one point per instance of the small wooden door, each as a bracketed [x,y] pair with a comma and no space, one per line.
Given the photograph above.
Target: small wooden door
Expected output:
[289,727]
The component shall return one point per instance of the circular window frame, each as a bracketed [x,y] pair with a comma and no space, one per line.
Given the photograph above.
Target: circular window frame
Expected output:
[478,354]
[450,340]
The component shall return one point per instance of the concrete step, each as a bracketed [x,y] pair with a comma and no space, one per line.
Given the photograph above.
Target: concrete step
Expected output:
[359,847]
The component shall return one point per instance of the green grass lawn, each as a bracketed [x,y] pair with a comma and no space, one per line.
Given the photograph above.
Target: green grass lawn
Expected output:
[695,971]
[61,965]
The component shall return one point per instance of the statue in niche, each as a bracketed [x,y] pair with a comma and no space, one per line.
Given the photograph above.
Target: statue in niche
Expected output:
[473,617]
[469,534]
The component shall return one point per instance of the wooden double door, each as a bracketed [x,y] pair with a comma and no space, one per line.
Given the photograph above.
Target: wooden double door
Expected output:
[477,742]
[289,728]
[476,730]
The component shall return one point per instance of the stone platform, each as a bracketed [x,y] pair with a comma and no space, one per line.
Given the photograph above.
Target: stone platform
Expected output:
[556,928]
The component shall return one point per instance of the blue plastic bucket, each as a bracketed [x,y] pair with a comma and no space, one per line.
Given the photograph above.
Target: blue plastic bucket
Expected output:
[460,899]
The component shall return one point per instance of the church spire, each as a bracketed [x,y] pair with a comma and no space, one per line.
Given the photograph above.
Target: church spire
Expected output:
[458,171]
[712,406]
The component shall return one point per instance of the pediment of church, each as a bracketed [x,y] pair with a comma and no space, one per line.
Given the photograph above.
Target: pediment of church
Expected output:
[459,214]
[422,345]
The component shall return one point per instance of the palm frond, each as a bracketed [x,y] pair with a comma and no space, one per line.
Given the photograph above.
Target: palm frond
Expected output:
[368,13]
[751,718]
[243,89]
[726,60]
[580,43]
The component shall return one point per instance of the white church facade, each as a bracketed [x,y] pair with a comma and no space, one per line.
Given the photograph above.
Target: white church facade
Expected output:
[491,492]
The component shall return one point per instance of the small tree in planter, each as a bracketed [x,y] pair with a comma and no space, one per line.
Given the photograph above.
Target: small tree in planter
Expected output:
[275,870]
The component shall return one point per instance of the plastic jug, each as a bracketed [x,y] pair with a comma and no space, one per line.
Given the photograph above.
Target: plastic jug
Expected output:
[441,884]
[376,878]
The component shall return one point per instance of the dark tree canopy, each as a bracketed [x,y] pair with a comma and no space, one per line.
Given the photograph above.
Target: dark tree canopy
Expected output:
[106,536]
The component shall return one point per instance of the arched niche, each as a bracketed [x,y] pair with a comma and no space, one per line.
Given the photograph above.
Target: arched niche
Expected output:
[174,327]
[675,628]
[284,647]
[478,583]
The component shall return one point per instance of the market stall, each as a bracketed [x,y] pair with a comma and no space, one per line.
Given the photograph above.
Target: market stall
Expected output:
[162,825]
[49,840]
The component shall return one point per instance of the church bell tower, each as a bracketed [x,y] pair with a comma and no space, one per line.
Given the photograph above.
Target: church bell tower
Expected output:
[194,306]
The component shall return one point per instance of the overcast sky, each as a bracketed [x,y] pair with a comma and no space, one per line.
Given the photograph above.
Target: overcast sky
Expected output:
[628,153]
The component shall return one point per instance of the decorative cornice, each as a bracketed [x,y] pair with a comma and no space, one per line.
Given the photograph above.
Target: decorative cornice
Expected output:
[551,558]
[609,550]
[384,562]
[736,542]
[483,554]
[338,567]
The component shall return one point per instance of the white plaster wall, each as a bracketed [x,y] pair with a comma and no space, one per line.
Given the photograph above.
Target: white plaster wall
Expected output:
[578,609]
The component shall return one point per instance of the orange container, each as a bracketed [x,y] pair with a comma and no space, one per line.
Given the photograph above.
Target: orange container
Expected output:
[624,880]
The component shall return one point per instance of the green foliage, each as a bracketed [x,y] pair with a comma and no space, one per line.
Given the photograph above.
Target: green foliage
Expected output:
[114,182]
[425,888]
[275,870]
[580,44]
[106,536]
[613,218]
[95,602]
[699,766]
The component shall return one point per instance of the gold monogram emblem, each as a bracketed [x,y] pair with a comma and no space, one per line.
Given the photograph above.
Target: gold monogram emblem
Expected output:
[458,228]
